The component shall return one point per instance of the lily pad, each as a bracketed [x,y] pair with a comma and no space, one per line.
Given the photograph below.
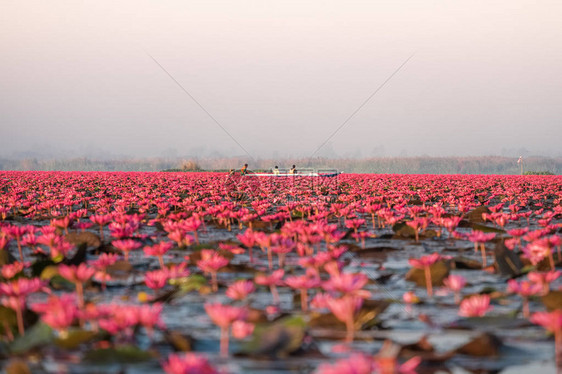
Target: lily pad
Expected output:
[439,271]
[75,338]
[88,238]
[278,339]
[364,319]
[484,345]
[507,262]
[37,336]
[17,366]
[552,300]
[180,342]
[475,215]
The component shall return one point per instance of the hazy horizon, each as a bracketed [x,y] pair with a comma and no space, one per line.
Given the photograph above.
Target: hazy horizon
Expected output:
[280,77]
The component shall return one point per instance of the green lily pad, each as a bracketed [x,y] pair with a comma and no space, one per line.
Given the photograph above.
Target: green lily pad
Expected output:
[74,338]
[192,283]
[38,335]
[278,339]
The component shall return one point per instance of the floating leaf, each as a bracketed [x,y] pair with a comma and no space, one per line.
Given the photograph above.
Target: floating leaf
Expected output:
[17,366]
[120,270]
[74,338]
[475,215]
[364,319]
[467,263]
[181,343]
[552,300]
[439,271]
[484,345]
[87,238]
[7,317]
[278,339]
[402,230]
[192,283]
[38,335]
[486,229]
[507,262]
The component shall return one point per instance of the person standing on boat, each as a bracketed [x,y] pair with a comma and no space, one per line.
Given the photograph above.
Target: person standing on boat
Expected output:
[293,170]
[244,170]
[276,170]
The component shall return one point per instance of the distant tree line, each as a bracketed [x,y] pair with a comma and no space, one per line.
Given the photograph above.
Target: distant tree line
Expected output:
[381,165]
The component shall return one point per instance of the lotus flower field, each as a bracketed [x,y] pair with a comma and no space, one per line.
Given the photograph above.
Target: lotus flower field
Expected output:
[208,273]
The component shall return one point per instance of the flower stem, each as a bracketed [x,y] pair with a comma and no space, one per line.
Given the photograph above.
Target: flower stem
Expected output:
[224,342]
[428,284]
[19,316]
[275,294]
[214,282]
[350,330]
[304,300]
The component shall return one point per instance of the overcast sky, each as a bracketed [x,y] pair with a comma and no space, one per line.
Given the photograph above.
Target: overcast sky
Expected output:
[280,77]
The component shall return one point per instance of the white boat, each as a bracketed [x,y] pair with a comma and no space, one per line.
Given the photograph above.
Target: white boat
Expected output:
[301,173]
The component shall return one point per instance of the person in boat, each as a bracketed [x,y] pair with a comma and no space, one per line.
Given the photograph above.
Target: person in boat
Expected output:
[276,170]
[244,170]
[293,170]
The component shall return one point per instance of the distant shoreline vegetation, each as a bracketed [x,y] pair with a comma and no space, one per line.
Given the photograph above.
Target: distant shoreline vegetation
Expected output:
[536,165]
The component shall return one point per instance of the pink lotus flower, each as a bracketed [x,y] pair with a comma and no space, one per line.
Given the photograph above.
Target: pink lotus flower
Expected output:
[156,279]
[59,312]
[78,275]
[188,363]
[14,294]
[538,250]
[359,363]
[158,250]
[455,283]
[178,271]
[101,220]
[479,237]
[552,321]
[425,263]
[544,279]
[524,289]
[101,264]
[239,290]
[242,329]
[418,224]
[17,232]
[149,317]
[475,306]
[347,284]
[272,281]
[410,298]
[126,246]
[303,283]
[4,240]
[211,262]
[248,240]
[118,319]
[11,270]
[181,238]
[223,316]
[344,309]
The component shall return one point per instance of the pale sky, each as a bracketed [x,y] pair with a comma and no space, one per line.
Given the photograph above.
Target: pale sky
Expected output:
[280,76]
